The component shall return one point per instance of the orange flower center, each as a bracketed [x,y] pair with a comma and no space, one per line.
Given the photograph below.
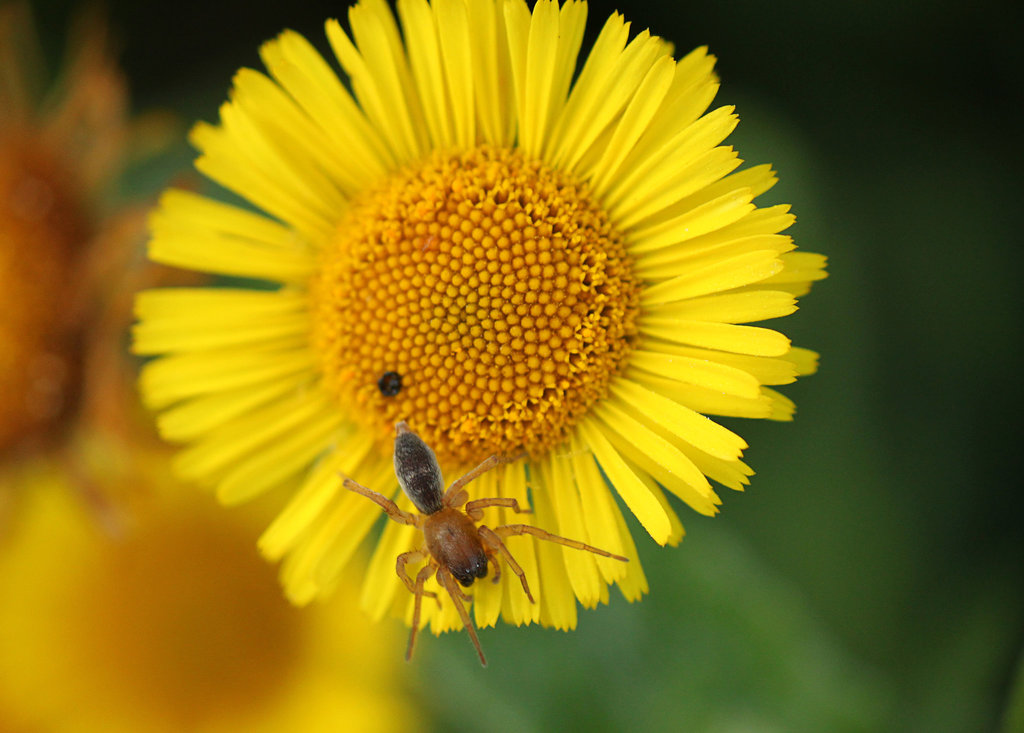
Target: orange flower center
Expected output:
[185,609]
[41,226]
[481,296]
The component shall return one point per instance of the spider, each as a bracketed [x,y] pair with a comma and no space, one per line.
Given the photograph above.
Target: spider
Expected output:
[455,544]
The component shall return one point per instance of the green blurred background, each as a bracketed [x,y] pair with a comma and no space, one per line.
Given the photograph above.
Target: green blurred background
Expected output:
[871,577]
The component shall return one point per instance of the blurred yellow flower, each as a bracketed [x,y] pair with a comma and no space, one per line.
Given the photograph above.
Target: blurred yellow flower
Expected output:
[511,260]
[174,624]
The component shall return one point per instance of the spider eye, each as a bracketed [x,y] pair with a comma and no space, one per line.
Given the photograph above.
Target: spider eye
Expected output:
[389,384]
[474,568]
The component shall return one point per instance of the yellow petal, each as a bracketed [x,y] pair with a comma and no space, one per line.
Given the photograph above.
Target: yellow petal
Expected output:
[656,199]
[723,336]
[487,595]
[733,474]
[281,460]
[382,587]
[755,230]
[713,277]
[766,370]
[322,485]
[565,500]
[801,267]
[187,319]
[783,408]
[746,306]
[380,78]
[456,52]
[543,48]
[236,440]
[298,142]
[707,373]
[316,88]
[346,521]
[600,96]
[342,544]
[707,401]
[194,212]
[598,510]
[679,144]
[688,425]
[492,70]
[557,604]
[658,457]
[676,531]
[192,418]
[707,217]
[634,122]
[241,157]
[240,243]
[515,606]
[633,585]
[694,86]
[644,505]
[421,37]
[805,361]
[179,376]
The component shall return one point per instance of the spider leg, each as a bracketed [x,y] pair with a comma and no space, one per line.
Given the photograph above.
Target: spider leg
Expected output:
[494,561]
[413,556]
[457,499]
[453,490]
[475,508]
[518,529]
[462,594]
[421,578]
[491,538]
[446,580]
[383,502]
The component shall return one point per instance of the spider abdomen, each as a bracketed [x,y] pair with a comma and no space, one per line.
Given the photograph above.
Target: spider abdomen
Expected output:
[417,470]
[453,540]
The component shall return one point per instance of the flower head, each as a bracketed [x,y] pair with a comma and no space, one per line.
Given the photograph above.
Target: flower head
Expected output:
[64,255]
[512,260]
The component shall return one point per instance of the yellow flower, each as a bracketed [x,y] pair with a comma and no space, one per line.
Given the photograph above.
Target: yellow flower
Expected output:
[174,624]
[64,256]
[511,260]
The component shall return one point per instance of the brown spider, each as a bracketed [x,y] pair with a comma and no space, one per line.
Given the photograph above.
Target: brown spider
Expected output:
[455,544]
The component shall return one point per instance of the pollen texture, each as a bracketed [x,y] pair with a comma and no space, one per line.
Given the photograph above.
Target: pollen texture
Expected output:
[492,285]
